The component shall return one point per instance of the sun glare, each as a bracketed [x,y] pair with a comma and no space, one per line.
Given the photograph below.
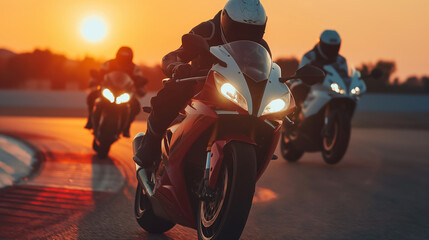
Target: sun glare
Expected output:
[93,29]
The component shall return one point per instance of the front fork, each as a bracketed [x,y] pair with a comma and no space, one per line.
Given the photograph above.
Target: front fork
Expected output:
[328,122]
[205,192]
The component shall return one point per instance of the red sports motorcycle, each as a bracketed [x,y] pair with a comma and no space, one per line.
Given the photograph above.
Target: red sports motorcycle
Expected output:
[217,149]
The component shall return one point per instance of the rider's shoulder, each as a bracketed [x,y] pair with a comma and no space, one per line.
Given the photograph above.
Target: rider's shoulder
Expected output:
[341,59]
[208,28]
[107,65]
[311,55]
[205,29]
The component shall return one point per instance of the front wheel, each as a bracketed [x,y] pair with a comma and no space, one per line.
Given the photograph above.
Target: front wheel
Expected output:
[289,152]
[106,134]
[145,216]
[336,143]
[103,149]
[225,215]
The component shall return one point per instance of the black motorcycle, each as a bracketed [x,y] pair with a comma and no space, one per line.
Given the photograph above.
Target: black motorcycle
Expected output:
[111,110]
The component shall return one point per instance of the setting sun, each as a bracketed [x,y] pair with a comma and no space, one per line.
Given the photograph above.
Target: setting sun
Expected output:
[93,29]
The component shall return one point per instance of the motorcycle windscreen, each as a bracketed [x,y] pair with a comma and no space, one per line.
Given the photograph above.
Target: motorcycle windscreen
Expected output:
[252,59]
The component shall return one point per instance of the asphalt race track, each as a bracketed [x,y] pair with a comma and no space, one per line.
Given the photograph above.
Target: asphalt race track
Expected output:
[379,191]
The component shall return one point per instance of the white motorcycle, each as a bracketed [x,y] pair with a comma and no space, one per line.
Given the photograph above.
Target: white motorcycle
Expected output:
[325,119]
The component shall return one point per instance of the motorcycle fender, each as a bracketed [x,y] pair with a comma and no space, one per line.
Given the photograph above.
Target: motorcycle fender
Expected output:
[217,156]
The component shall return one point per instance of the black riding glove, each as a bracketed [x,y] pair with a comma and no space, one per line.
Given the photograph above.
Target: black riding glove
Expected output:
[182,70]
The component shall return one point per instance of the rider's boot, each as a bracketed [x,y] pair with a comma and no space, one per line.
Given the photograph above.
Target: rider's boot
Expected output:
[126,131]
[88,124]
[149,150]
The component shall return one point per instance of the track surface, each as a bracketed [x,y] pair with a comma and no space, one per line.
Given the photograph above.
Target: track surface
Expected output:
[379,191]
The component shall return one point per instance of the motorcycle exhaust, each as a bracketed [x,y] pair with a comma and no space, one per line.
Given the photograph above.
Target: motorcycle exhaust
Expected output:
[144,180]
[142,176]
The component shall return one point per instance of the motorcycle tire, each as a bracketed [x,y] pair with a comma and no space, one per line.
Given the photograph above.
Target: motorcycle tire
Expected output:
[107,136]
[334,149]
[145,216]
[94,144]
[288,151]
[103,150]
[225,215]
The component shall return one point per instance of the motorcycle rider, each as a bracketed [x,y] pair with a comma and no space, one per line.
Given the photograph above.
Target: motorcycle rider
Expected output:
[239,20]
[325,52]
[122,62]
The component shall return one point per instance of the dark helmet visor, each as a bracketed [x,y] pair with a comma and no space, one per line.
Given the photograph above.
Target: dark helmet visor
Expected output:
[330,50]
[235,31]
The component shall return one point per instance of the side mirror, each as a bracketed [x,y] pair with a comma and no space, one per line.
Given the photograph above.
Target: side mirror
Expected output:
[194,45]
[309,74]
[376,73]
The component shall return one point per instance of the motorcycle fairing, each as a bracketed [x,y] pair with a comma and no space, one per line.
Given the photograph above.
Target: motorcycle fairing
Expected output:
[357,81]
[332,76]
[173,185]
[321,94]
[230,73]
[272,87]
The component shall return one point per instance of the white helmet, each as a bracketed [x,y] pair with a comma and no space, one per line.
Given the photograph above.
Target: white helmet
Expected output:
[329,44]
[243,20]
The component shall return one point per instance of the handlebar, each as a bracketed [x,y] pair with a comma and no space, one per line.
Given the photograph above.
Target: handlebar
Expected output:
[199,75]
[190,79]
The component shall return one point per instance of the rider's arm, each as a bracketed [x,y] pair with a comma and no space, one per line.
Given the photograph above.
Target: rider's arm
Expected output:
[139,81]
[178,57]
[307,58]
[104,68]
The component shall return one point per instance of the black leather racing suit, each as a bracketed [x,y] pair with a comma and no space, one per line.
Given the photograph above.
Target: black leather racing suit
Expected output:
[170,100]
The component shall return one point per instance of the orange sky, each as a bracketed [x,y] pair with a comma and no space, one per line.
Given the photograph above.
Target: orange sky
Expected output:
[371,29]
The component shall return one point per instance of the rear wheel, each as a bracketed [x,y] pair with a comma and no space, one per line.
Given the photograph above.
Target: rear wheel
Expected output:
[335,145]
[289,152]
[225,215]
[145,216]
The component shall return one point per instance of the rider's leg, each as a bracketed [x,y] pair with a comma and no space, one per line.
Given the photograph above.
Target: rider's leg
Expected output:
[166,106]
[135,110]
[300,92]
[90,103]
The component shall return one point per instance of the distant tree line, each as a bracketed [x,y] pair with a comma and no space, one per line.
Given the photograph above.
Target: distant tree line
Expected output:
[17,70]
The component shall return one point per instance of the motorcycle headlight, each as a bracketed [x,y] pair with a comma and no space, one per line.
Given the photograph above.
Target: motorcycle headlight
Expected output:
[277,105]
[124,98]
[336,88]
[355,91]
[108,95]
[229,91]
